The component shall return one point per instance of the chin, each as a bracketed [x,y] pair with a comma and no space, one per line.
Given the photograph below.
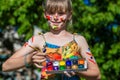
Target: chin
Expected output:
[56,29]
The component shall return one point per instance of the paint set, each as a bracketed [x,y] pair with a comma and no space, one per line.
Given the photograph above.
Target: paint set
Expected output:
[66,65]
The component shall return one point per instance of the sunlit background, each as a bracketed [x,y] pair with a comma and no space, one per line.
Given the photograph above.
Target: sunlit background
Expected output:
[97,20]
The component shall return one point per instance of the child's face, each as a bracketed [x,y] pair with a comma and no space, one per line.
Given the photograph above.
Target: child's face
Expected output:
[57,20]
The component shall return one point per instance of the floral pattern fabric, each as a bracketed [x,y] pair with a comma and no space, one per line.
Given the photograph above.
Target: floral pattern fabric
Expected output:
[55,52]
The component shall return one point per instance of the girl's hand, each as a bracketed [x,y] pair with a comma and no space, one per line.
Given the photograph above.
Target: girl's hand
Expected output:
[38,58]
[70,74]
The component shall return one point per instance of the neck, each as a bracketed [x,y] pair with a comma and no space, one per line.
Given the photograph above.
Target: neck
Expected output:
[58,33]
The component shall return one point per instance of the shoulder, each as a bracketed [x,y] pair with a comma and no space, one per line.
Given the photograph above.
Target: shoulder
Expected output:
[81,40]
[37,40]
[79,37]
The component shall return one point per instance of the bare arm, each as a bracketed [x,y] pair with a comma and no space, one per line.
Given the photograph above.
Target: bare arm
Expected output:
[92,72]
[17,60]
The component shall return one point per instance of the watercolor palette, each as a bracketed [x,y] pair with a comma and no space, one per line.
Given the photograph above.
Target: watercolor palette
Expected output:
[66,65]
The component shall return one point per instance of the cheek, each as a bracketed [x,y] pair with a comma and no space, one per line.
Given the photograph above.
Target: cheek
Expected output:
[48,17]
[63,18]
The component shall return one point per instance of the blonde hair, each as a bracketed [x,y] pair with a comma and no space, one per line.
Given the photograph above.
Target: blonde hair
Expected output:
[52,6]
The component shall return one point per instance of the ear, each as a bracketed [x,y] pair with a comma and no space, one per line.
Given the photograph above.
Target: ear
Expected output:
[45,15]
[69,16]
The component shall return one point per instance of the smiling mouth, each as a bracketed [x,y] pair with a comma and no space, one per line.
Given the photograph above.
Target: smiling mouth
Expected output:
[55,22]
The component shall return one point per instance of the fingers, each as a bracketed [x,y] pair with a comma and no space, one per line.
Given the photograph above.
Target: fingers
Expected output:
[67,74]
[38,58]
[73,73]
[39,53]
[35,52]
[38,63]
[70,74]
[38,66]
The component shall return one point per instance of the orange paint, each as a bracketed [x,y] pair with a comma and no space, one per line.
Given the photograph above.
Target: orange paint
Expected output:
[57,56]
[81,62]
[44,63]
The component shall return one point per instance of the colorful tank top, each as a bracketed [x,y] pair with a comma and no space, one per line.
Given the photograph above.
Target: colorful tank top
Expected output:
[55,52]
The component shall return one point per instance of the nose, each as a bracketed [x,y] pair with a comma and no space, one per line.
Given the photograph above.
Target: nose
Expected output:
[55,17]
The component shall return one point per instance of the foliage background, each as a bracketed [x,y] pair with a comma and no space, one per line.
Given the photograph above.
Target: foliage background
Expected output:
[97,20]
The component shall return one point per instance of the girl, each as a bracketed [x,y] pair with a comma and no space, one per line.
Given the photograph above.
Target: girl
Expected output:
[58,40]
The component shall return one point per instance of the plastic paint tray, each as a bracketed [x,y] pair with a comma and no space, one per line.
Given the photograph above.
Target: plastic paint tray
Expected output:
[66,65]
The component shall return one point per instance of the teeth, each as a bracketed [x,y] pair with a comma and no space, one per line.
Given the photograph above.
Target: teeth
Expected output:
[54,27]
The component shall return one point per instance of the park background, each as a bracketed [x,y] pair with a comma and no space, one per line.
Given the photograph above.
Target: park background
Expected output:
[97,20]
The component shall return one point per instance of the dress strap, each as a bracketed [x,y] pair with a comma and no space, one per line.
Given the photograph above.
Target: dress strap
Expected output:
[74,34]
[43,36]
[44,46]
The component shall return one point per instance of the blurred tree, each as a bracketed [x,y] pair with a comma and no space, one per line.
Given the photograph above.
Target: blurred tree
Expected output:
[97,20]
[23,13]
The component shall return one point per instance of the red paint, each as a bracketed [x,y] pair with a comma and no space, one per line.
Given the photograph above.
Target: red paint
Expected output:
[32,38]
[89,53]
[50,68]
[25,44]
[92,61]
[48,17]
[62,19]
[57,56]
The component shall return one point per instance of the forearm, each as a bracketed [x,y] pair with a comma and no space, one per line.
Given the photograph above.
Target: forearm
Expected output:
[90,74]
[16,63]
[13,64]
